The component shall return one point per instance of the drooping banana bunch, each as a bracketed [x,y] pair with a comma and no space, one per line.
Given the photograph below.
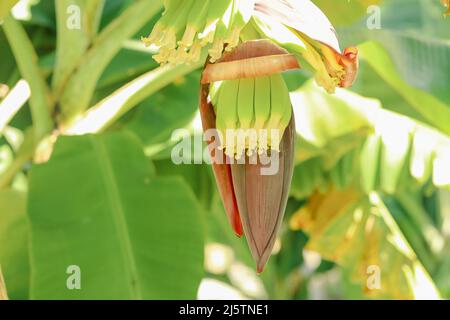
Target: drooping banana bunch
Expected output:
[244,98]
[247,102]
[189,27]
[252,105]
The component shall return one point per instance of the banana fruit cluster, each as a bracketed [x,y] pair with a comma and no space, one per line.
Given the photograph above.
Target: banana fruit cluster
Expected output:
[252,114]
[187,26]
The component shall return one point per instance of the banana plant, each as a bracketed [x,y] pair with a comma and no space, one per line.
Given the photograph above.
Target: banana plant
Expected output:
[86,117]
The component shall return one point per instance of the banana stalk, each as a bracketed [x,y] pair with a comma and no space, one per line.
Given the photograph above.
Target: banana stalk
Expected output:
[254,199]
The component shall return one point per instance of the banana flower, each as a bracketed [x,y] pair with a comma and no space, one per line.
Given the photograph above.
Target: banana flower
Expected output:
[244,98]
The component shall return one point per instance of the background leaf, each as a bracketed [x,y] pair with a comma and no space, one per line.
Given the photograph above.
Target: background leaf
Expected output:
[146,245]
[360,234]
[14,243]
[171,108]
[346,12]
[377,153]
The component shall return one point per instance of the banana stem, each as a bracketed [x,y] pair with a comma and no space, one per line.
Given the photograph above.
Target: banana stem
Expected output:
[13,102]
[41,102]
[72,44]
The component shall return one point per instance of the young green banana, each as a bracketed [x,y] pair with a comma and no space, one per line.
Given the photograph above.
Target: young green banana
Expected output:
[170,5]
[168,41]
[170,37]
[187,26]
[242,13]
[257,109]
[280,104]
[163,23]
[214,93]
[190,47]
[285,119]
[227,115]
[222,30]
[262,102]
[247,138]
[246,102]
[286,108]
[196,21]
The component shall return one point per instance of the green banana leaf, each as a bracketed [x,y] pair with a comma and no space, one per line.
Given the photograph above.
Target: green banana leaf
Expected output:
[432,109]
[137,241]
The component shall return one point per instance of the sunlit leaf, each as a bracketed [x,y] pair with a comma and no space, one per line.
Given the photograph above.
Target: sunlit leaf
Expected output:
[432,109]
[344,13]
[97,205]
[376,150]
[358,232]
[14,240]
[329,121]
